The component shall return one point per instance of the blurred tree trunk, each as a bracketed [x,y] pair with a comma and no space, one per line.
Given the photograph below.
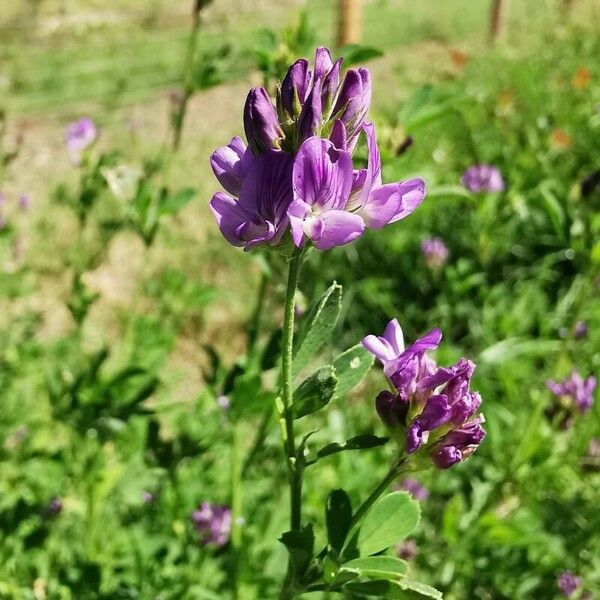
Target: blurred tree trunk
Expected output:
[498,12]
[349,22]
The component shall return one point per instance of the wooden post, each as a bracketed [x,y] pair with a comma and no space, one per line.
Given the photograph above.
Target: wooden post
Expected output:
[349,22]
[498,12]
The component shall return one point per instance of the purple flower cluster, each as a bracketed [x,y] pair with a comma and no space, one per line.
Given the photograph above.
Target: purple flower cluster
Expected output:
[568,583]
[580,330]
[577,390]
[297,174]
[415,489]
[53,508]
[79,136]
[435,252]
[430,405]
[483,178]
[213,523]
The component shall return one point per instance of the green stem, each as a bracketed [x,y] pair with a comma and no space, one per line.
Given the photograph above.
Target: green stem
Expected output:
[378,491]
[236,503]
[286,418]
[188,77]
[287,393]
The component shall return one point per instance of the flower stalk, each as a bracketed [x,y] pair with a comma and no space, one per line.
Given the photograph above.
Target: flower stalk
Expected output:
[287,394]
[383,486]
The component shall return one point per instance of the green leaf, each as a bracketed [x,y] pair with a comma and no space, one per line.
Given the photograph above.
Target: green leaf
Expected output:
[300,545]
[318,326]
[315,392]
[379,567]
[420,590]
[338,516]
[389,521]
[358,442]
[402,589]
[350,368]
[174,203]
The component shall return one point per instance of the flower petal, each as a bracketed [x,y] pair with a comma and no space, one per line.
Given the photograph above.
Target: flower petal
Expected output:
[229,216]
[338,135]
[228,165]
[388,346]
[266,188]
[366,179]
[297,212]
[334,228]
[383,204]
[323,62]
[322,175]
[412,193]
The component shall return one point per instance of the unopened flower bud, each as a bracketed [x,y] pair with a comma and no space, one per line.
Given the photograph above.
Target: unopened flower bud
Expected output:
[294,87]
[260,122]
[392,410]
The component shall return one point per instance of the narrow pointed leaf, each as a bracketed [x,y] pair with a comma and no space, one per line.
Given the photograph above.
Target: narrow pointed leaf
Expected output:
[318,327]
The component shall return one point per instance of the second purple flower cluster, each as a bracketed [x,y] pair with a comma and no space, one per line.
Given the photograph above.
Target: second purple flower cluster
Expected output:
[297,173]
[429,406]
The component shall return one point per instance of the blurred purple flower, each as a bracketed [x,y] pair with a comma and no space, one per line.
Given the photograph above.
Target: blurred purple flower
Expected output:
[24,201]
[407,550]
[483,178]
[213,523]
[579,390]
[224,402]
[437,399]
[580,330]
[80,135]
[53,508]
[415,489]
[568,583]
[148,497]
[435,252]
